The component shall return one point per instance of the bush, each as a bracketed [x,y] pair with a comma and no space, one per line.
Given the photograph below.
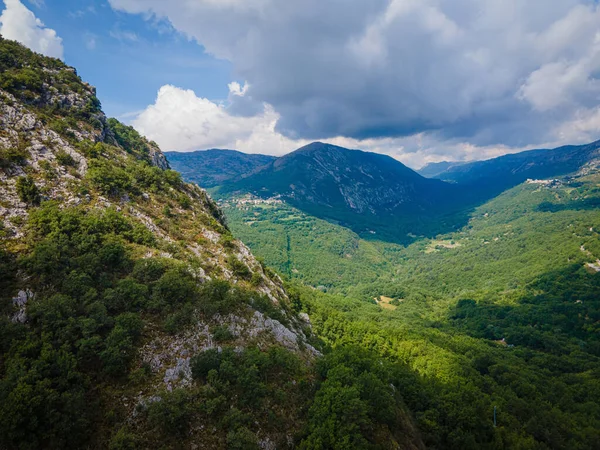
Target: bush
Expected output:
[242,439]
[10,156]
[256,279]
[124,440]
[218,296]
[227,241]
[172,414]
[28,191]
[180,319]
[109,179]
[238,268]
[184,201]
[120,344]
[222,333]
[129,139]
[150,270]
[175,287]
[204,362]
[65,159]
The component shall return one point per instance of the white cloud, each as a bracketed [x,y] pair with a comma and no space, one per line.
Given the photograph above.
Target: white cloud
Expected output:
[464,75]
[179,120]
[121,35]
[20,24]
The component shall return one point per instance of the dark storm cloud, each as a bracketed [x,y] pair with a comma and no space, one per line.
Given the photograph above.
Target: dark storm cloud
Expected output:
[515,72]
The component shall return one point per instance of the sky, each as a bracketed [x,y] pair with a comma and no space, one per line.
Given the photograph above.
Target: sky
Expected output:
[419,80]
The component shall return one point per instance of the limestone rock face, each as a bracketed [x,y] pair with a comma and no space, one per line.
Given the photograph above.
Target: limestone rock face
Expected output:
[158,158]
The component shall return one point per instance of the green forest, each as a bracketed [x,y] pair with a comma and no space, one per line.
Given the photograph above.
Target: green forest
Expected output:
[501,315]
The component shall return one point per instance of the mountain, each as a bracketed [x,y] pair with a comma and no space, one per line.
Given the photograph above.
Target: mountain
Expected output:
[432,170]
[209,168]
[496,175]
[130,317]
[362,189]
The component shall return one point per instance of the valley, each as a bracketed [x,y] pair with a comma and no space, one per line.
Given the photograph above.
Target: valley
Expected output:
[494,311]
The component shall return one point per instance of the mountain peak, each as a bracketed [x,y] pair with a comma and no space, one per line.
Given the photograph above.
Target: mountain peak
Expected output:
[335,182]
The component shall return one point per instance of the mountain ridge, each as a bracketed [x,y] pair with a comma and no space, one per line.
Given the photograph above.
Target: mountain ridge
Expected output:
[509,170]
[212,167]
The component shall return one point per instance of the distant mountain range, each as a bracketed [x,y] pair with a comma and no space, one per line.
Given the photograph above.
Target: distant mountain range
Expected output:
[368,191]
[210,168]
[432,170]
[498,174]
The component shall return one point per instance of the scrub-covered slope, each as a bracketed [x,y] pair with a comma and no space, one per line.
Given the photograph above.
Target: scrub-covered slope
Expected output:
[129,315]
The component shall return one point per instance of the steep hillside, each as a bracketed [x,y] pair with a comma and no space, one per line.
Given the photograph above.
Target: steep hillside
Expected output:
[129,315]
[496,175]
[209,168]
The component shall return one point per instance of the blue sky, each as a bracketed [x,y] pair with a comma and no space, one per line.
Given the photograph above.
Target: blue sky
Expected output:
[421,81]
[128,58]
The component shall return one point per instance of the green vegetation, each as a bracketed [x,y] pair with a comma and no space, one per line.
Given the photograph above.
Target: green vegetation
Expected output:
[64,159]
[291,241]
[93,302]
[27,191]
[10,156]
[503,313]
[131,176]
[129,139]
[487,337]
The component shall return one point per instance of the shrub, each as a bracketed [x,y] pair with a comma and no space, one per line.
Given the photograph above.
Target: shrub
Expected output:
[178,320]
[120,344]
[10,156]
[217,296]
[109,179]
[124,440]
[227,241]
[175,286]
[256,279]
[222,333]
[28,191]
[184,201]
[242,439]
[238,268]
[150,270]
[172,414]
[204,362]
[65,159]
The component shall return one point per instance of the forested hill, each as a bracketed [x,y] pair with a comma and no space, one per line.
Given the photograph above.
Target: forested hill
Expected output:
[209,168]
[129,315]
[327,176]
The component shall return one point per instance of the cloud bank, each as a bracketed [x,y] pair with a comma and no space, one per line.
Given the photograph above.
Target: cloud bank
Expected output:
[460,73]
[181,121]
[20,24]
